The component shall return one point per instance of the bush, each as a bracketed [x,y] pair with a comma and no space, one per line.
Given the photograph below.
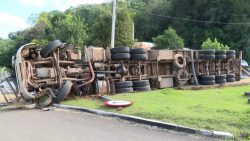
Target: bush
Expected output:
[169,40]
[209,44]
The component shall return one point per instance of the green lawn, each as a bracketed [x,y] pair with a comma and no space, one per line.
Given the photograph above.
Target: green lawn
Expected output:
[223,109]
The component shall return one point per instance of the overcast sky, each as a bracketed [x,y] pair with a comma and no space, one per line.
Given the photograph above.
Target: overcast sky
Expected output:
[14,14]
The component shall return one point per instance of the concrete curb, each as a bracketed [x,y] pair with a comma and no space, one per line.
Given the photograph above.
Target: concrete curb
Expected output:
[10,107]
[164,125]
[17,106]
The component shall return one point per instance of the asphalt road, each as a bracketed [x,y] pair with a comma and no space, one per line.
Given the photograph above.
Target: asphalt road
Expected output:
[63,125]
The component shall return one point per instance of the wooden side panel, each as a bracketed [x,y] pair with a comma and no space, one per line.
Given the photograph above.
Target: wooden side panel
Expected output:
[160,55]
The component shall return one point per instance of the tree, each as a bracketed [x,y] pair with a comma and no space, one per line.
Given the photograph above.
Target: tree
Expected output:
[123,33]
[237,36]
[6,51]
[91,24]
[147,25]
[195,33]
[50,26]
[21,37]
[68,28]
[58,25]
[100,30]
[169,40]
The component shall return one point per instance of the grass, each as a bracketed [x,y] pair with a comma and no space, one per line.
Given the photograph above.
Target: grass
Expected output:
[224,109]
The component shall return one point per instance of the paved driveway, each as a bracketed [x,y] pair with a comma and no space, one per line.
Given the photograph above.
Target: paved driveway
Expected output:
[63,125]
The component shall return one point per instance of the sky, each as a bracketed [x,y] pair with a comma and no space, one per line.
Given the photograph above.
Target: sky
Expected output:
[15,14]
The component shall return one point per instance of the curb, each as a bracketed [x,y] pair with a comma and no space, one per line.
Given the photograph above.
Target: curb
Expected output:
[17,106]
[10,107]
[164,125]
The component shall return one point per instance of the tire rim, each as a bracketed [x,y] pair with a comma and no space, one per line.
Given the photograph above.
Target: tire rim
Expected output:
[118,103]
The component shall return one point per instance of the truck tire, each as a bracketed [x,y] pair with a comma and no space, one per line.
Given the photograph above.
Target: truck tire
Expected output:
[210,82]
[221,76]
[138,51]
[207,52]
[120,56]
[141,83]
[207,77]
[47,100]
[124,90]
[231,52]
[144,88]
[220,81]
[120,50]
[64,91]
[220,57]
[230,79]
[124,84]
[247,93]
[49,48]
[231,75]
[207,57]
[182,74]
[220,52]
[230,56]
[139,57]
[179,61]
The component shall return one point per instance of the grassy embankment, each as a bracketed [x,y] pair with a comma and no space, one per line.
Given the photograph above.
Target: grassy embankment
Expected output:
[223,109]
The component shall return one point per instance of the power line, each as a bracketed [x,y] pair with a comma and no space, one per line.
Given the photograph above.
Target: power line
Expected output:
[189,20]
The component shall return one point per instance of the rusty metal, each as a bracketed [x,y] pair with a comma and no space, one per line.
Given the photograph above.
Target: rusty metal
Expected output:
[91,69]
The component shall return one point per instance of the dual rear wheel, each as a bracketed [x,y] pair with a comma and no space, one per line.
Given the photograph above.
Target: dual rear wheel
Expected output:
[130,86]
[125,53]
[217,79]
[218,54]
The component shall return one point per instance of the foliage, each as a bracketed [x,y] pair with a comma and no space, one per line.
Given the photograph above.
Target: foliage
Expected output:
[6,51]
[211,109]
[208,44]
[91,24]
[100,32]
[95,17]
[124,23]
[225,11]
[99,18]
[51,26]
[147,25]
[169,40]
[58,25]
[84,25]
[21,37]
[2,70]
[150,21]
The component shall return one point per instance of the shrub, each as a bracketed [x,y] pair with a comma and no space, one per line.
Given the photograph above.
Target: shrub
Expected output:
[209,44]
[169,40]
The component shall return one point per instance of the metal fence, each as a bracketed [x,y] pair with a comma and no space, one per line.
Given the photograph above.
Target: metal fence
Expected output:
[8,88]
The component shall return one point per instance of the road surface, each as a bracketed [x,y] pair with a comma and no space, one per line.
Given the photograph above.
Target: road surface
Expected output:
[64,125]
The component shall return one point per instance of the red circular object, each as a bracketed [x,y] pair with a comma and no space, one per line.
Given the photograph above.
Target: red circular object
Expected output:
[118,103]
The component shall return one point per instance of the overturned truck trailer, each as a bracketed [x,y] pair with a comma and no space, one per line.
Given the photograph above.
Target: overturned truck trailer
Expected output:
[50,73]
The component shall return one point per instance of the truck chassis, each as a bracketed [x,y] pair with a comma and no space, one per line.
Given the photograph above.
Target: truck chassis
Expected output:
[51,73]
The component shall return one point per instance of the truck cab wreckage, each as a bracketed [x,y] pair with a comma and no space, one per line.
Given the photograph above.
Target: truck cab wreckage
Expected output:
[49,74]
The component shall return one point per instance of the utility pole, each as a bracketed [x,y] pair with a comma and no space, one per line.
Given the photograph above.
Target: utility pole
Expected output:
[133,31]
[113,25]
